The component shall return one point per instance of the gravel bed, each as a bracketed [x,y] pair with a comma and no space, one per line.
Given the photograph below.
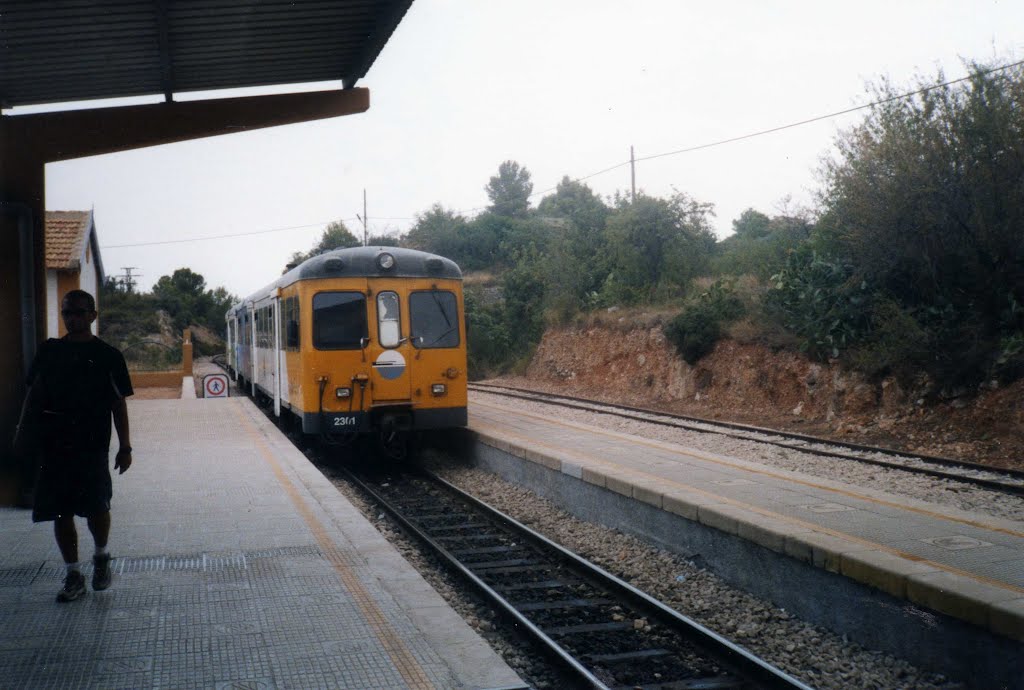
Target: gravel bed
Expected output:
[943,492]
[816,656]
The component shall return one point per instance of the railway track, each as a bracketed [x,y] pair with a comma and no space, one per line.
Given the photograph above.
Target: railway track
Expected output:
[598,628]
[1004,481]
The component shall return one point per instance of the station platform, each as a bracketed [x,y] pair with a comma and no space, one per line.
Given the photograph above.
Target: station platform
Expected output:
[925,559]
[237,565]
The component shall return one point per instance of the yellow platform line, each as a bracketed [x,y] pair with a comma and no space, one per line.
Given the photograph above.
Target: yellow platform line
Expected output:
[764,511]
[672,448]
[400,655]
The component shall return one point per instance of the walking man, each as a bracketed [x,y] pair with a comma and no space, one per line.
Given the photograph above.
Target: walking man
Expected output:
[75,384]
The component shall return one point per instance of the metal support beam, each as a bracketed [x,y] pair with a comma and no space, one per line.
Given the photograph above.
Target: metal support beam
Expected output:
[77,133]
[166,61]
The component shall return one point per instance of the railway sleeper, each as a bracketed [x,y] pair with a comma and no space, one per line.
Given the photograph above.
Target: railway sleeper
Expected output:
[717,683]
[542,584]
[610,626]
[562,604]
[492,566]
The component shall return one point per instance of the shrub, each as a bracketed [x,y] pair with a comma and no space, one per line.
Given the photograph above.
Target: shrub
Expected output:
[896,344]
[820,301]
[488,342]
[1009,364]
[699,326]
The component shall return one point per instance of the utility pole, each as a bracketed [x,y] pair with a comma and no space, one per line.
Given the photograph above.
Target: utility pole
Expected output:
[364,219]
[128,280]
[632,173]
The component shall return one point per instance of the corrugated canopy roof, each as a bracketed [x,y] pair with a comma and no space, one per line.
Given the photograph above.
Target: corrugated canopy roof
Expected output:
[70,50]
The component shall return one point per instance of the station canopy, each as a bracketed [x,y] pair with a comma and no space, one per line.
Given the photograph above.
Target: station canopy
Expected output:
[73,50]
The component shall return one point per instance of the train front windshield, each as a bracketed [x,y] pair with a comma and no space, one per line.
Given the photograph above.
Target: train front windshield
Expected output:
[434,319]
[339,320]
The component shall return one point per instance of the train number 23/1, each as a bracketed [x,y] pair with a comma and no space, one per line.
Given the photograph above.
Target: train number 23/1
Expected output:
[344,421]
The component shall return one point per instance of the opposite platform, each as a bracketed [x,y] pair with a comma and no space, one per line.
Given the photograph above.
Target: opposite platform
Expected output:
[773,531]
[237,564]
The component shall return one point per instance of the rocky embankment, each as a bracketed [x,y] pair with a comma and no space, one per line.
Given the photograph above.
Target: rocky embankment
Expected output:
[753,384]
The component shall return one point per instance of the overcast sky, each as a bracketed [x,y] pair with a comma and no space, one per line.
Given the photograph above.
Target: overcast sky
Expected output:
[563,87]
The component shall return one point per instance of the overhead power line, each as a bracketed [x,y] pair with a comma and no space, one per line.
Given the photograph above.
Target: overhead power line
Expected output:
[791,125]
[219,237]
[206,238]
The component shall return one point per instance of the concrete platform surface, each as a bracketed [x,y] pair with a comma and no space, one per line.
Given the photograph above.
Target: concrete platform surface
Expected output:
[237,564]
[965,565]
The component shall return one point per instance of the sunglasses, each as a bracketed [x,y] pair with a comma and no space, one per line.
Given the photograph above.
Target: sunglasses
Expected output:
[75,312]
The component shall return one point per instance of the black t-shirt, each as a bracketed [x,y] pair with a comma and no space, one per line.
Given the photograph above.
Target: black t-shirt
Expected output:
[79,384]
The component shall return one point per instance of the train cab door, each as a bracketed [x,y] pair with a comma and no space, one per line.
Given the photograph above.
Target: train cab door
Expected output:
[389,350]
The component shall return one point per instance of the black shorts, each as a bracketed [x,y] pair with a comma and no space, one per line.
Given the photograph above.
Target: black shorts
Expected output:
[76,484]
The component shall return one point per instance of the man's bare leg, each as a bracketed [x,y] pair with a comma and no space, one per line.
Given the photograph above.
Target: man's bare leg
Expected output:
[67,537]
[99,525]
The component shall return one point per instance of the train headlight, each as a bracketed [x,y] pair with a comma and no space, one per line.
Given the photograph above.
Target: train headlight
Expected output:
[342,392]
[386,261]
[438,388]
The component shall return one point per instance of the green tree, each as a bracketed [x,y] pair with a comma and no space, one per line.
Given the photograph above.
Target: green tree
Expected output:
[481,241]
[577,203]
[509,190]
[751,225]
[523,288]
[335,236]
[384,240]
[925,200]
[183,295]
[441,232]
[657,246]
[759,245]
[576,255]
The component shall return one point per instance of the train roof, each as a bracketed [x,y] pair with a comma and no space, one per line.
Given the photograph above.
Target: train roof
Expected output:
[356,262]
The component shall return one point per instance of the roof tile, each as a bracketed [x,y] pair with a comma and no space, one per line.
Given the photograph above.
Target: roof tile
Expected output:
[66,235]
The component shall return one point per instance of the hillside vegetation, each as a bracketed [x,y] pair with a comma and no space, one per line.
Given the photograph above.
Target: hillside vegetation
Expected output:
[148,326]
[910,266]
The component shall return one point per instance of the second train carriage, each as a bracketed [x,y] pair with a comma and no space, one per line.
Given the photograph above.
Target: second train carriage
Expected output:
[361,340]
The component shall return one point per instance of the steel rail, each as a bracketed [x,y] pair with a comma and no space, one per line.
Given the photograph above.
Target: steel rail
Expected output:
[741,661]
[545,642]
[680,422]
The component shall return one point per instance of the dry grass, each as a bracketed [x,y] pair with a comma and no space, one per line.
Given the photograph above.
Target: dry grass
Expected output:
[479,279]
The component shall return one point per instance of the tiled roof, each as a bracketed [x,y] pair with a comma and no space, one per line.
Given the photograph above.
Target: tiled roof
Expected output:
[66,235]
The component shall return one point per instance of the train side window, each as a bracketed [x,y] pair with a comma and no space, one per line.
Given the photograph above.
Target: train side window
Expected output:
[434,319]
[292,323]
[339,320]
[389,329]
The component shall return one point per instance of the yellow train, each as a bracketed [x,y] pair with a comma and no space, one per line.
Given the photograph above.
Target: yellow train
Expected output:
[367,340]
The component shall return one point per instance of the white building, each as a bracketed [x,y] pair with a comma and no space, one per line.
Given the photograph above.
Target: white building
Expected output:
[72,263]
